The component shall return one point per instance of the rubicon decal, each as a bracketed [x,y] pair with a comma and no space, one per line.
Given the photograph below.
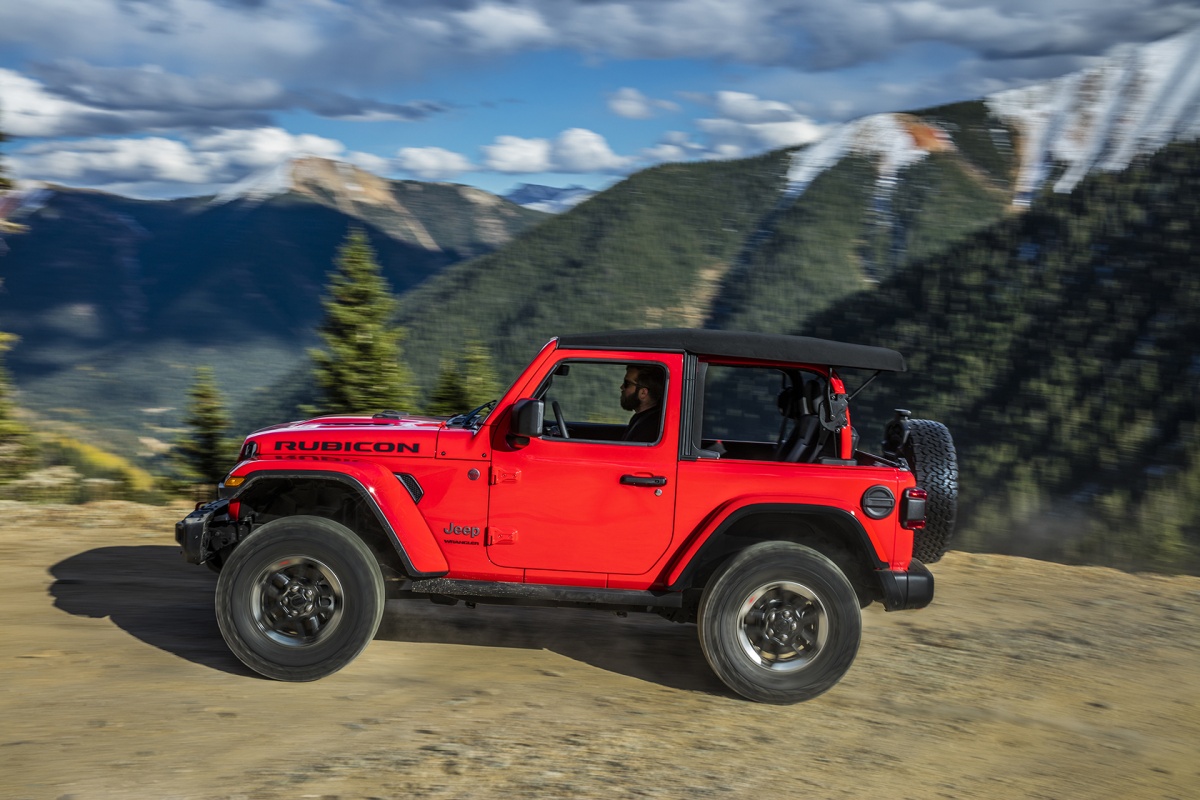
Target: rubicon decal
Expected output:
[347,447]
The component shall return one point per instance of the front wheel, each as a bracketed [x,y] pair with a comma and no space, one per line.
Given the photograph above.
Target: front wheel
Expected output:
[299,599]
[779,623]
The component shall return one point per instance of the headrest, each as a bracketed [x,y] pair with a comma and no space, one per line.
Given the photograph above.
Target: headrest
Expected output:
[792,402]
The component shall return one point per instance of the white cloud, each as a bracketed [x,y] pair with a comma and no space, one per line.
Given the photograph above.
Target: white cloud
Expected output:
[71,98]
[262,147]
[29,111]
[581,150]
[576,150]
[433,163]
[630,103]
[516,155]
[350,41]
[744,107]
[750,124]
[101,161]
[673,146]
[370,162]
[503,27]
[152,165]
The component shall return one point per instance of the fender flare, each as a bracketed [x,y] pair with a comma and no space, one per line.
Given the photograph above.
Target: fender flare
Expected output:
[417,548]
[712,535]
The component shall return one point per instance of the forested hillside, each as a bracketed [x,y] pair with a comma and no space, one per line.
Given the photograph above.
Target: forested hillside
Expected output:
[1062,346]
[118,300]
[650,252]
[719,244]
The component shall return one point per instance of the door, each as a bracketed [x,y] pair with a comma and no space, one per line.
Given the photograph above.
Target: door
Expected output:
[589,500]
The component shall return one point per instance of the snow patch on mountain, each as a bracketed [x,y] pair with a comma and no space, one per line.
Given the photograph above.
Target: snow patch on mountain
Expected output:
[1132,104]
[893,141]
[258,186]
[549,199]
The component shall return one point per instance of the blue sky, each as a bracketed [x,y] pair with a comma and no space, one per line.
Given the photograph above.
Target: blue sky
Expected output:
[161,98]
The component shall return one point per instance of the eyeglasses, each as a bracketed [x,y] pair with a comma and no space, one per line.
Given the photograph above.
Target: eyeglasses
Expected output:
[626,384]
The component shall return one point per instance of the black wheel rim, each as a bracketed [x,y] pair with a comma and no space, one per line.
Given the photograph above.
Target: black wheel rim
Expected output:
[297,601]
[782,626]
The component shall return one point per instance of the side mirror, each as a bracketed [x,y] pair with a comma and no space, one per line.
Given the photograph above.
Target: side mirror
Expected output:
[527,418]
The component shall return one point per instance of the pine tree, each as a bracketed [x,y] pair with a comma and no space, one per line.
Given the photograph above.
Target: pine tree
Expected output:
[16,450]
[204,452]
[360,369]
[16,447]
[480,382]
[5,183]
[450,394]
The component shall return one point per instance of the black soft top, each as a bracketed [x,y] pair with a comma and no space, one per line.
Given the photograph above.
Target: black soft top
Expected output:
[734,344]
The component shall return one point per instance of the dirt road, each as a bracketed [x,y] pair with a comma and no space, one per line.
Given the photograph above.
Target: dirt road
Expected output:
[1023,680]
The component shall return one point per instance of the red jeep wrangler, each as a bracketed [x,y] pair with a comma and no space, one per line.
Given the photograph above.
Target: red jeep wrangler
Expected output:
[746,507]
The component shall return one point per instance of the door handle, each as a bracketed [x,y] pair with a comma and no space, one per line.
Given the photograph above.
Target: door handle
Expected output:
[643,480]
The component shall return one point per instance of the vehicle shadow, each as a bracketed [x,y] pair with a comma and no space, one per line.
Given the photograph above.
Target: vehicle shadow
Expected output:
[149,592]
[642,646]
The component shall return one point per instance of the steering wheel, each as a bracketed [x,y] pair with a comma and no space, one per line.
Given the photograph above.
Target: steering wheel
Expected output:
[558,418]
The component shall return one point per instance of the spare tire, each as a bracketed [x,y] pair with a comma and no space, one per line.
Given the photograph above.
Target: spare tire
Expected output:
[930,452]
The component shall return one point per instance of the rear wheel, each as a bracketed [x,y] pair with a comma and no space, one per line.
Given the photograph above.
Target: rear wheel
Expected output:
[300,598]
[779,623]
[930,452]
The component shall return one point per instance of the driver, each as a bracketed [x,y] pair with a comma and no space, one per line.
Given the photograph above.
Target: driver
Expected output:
[642,393]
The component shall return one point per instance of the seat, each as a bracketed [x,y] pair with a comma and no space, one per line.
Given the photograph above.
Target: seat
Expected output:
[800,404]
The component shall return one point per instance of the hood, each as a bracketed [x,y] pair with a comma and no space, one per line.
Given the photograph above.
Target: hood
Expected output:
[355,437]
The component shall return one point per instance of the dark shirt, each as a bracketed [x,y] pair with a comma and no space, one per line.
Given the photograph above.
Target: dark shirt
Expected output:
[643,426]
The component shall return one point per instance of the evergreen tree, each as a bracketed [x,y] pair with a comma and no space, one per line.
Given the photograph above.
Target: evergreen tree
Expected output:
[204,452]
[450,394]
[16,449]
[479,382]
[360,370]
[5,183]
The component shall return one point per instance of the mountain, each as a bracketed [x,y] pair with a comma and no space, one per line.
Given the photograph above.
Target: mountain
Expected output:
[117,300]
[1133,103]
[764,243]
[549,199]
[1062,347]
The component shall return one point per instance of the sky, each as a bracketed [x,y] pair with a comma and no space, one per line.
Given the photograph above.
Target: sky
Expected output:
[171,98]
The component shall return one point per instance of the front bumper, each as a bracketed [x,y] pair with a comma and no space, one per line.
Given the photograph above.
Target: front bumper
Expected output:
[912,588]
[205,531]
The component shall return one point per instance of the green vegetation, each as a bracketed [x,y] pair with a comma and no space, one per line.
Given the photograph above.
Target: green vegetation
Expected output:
[649,252]
[205,453]
[1062,348]
[16,449]
[981,139]
[5,183]
[360,371]
[449,395]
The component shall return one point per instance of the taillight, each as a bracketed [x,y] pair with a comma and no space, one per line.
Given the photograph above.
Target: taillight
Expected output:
[912,509]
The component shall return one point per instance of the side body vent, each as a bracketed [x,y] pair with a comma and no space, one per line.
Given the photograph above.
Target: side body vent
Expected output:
[410,483]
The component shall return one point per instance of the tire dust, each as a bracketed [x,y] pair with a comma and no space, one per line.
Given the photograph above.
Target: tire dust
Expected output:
[1024,679]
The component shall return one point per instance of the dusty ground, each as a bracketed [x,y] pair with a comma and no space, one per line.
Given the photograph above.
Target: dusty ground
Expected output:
[1023,680]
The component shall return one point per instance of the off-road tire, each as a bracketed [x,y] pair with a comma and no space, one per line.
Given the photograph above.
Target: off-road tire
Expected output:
[300,598]
[812,634]
[930,452]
